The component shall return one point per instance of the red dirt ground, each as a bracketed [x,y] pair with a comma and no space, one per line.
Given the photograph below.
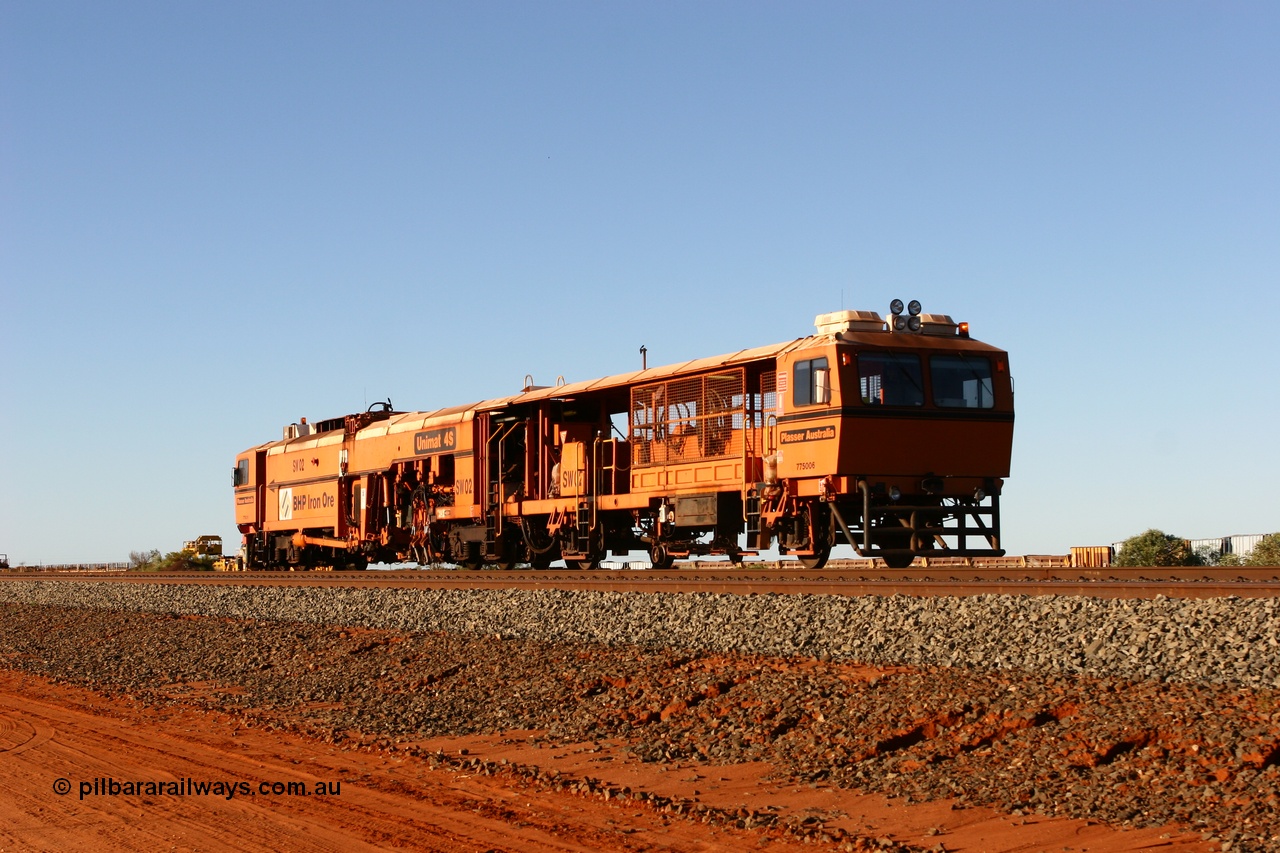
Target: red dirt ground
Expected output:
[50,734]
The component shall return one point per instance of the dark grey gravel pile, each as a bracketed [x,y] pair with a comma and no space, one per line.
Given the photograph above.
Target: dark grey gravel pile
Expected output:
[1142,752]
[1223,641]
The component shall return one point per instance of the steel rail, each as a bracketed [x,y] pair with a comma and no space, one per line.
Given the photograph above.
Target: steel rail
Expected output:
[747,580]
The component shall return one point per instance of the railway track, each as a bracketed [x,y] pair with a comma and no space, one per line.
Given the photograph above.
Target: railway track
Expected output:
[849,578]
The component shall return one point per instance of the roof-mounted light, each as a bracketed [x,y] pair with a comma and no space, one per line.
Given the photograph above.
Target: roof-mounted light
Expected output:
[898,323]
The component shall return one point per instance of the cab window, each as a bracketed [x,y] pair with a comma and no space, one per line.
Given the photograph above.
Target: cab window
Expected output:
[962,382]
[241,473]
[890,379]
[812,383]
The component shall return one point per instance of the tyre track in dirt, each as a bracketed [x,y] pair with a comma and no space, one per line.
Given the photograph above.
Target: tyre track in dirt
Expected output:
[384,803]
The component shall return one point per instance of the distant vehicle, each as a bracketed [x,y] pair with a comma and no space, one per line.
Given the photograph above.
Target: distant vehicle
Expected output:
[891,434]
[204,546]
[4,561]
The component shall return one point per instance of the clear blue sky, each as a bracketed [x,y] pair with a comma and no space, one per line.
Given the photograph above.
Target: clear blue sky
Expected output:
[218,217]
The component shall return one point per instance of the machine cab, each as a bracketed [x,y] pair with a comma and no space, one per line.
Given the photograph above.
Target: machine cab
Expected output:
[247,480]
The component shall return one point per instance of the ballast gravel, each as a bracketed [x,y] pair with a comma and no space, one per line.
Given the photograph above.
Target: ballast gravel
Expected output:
[1233,641]
[1132,712]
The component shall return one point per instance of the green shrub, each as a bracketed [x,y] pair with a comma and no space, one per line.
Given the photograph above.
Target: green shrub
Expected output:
[174,561]
[1266,552]
[1156,548]
[1211,557]
[141,561]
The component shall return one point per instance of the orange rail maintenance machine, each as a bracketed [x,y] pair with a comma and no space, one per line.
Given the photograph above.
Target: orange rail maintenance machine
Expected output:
[891,434]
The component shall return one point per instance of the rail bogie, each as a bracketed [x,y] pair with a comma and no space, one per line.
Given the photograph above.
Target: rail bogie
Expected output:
[895,441]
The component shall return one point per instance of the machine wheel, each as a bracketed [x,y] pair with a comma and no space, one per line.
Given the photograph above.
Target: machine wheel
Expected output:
[817,560]
[820,533]
[512,551]
[660,558]
[588,558]
[472,559]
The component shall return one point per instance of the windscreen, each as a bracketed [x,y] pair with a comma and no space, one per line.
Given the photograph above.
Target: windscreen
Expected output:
[962,382]
[890,379]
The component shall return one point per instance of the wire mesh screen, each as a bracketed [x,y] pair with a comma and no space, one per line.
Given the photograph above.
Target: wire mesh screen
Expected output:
[760,407]
[690,418]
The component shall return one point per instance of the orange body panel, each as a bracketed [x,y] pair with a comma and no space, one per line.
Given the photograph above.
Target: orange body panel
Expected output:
[849,436]
[302,484]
